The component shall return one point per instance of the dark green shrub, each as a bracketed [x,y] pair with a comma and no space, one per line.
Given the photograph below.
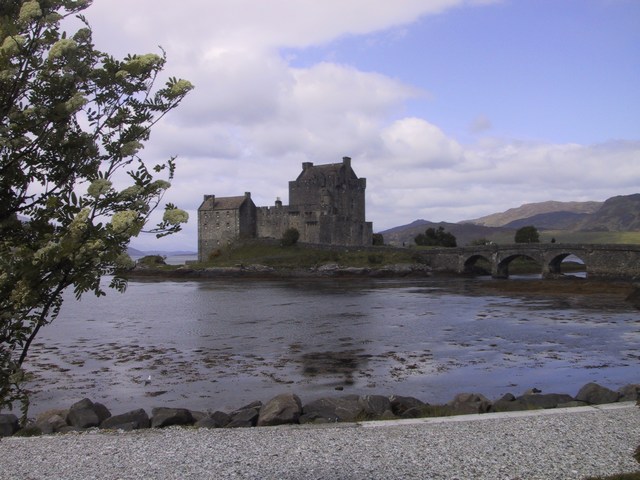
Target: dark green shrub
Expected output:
[436,238]
[290,237]
[152,260]
[528,234]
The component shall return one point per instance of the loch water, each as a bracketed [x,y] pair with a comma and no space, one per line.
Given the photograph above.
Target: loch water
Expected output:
[219,344]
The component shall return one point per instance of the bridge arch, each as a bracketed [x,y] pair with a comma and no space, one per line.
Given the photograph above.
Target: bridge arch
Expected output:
[501,267]
[554,260]
[477,264]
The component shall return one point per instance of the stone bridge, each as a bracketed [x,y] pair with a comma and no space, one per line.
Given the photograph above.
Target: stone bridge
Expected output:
[601,261]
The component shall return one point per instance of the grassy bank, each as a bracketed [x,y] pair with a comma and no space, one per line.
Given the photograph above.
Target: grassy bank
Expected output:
[299,256]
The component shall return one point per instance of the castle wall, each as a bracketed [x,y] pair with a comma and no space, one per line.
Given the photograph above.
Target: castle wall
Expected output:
[314,227]
[222,221]
[216,229]
[271,222]
[247,220]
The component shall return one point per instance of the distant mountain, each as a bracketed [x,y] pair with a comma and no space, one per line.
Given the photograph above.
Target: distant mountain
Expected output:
[135,253]
[529,210]
[617,214]
[465,233]
[551,221]
[410,226]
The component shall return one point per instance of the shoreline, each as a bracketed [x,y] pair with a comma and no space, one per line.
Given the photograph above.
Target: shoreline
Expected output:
[626,290]
[288,409]
[333,270]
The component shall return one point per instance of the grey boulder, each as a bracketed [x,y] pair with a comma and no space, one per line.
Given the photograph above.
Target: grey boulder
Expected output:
[215,420]
[8,424]
[282,409]
[340,409]
[133,420]
[468,403]
[595,394]
[86,414]
[247,417]
[630,393]
[165,417]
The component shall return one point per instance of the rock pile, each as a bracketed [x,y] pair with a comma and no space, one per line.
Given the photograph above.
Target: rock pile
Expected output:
[288,409]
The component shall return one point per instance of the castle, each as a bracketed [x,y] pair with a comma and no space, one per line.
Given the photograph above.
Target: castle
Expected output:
[327,207]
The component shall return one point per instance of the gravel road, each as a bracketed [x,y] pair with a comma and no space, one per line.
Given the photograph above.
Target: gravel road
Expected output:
[550,444]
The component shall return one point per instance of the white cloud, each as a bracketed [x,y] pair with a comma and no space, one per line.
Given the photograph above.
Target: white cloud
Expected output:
[417,143]
[254,24]
[236,86]
[253,117]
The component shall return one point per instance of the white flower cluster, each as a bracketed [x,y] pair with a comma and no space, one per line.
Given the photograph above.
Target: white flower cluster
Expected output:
[22,295]
[29,11]
[161,185]
[130,193]
[130,148]
[175,216]
[142,63]
[99,187]
[181,87]
[49,249]
[125,222]
[61,47]
[12,44]
[75,103]
[79,222]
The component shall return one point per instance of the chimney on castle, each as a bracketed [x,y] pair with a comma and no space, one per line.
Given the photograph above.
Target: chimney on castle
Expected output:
[247,194]
[346,161]
[306,165]
[212,197]
[278,202]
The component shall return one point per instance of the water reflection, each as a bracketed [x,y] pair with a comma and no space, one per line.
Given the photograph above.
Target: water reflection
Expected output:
[217,344]
[342,365]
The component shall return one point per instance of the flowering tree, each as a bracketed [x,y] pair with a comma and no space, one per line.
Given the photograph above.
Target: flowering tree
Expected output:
[73,187]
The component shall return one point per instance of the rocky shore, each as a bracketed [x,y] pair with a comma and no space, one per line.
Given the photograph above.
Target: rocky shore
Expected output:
[399,270]
[287,408]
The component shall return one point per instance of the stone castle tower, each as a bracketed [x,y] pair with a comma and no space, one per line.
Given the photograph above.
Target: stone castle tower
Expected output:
[327,206]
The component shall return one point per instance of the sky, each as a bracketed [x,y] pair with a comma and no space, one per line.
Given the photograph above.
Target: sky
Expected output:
[451,109]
